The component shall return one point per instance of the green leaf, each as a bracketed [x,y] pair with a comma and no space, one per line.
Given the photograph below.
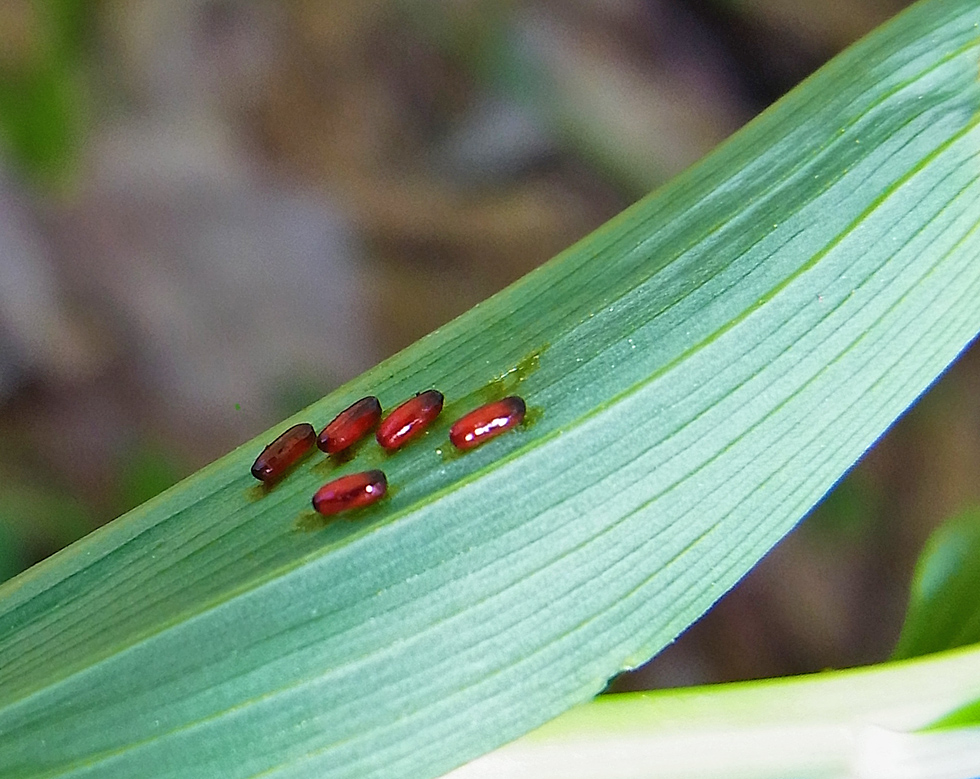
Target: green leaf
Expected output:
[966,716]
[699,372]
[862,722]
[33,520]
[944,608]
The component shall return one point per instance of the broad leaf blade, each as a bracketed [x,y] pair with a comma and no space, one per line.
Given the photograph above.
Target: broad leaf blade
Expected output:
[699,372]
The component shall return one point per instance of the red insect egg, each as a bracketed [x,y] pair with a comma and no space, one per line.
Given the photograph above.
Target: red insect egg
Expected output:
[283,453]
[350,425]
[350,492]
[409,419]
[487,422]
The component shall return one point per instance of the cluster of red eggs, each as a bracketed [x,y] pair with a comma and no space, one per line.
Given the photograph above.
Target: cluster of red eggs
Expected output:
[404,423]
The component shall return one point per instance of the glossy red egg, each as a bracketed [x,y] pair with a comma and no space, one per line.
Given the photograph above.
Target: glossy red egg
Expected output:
[350,425]
[409,419]
[350,492]
[283,453]
[487,422]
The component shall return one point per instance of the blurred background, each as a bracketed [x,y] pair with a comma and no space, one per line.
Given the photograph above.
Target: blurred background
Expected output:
[212,213]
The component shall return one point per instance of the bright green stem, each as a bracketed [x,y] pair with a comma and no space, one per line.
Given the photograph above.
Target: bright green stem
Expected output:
[865,723]
[698,373]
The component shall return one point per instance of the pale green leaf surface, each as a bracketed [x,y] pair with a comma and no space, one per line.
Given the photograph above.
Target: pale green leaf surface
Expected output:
[860,723]
[699,372]
[944,606]
[965,717]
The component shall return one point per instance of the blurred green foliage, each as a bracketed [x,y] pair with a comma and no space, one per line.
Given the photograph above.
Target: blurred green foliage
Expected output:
[41,93]
[944,607]
[847,511]
[38,519]
[144,472]
[35,523]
